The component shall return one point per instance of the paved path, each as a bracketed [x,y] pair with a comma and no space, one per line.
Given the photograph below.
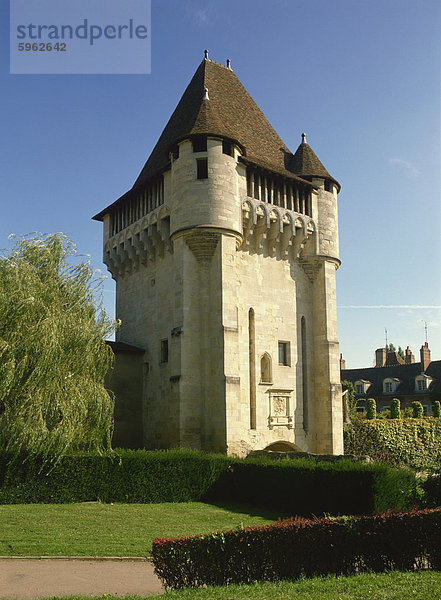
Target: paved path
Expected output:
[28,578]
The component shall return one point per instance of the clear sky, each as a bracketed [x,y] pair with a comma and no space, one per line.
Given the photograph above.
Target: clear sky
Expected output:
[360,77]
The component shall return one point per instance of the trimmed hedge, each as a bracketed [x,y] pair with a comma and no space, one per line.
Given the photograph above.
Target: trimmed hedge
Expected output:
[292,487]
[298,547]
[123,476]
[296,486]
[415,443]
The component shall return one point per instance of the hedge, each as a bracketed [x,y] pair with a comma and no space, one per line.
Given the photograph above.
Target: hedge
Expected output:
[122,476]
[302,548]
[398,442]
[292,487]
[296,486]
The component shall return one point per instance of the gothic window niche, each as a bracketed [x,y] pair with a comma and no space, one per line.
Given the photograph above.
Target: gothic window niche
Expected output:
[266,373]
[280,409]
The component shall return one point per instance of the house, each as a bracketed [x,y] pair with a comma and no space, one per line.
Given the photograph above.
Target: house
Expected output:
[224,254]
[395,377]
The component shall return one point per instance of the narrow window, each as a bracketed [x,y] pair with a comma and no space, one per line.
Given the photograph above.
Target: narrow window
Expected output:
[164,351]
[226,147]
[252,367]
[202,171]
[304,374]
[284,353]
[200,144]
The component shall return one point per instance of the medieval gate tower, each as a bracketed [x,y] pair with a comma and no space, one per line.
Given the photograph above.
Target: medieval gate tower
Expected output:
[224,254]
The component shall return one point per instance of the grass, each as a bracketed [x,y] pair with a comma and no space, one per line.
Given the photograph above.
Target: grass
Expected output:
[112,529]
[423,585]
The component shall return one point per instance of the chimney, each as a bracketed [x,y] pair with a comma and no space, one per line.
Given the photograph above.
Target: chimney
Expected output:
[380,357]
[425,356]
[409,357]
[342,363]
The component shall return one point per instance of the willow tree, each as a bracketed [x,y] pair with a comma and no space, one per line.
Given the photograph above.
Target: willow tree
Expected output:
[52,355]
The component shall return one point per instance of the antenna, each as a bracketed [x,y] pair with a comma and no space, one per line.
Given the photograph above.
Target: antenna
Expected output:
[425,327]
[385,331]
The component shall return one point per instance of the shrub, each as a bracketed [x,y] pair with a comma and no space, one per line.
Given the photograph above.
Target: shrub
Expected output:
[371,409]
[436,409]
[289,486]
[417,410]
[432,490]
[298,547]
[395,412]
[412,443]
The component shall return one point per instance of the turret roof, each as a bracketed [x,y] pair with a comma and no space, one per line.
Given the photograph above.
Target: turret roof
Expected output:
[305,163]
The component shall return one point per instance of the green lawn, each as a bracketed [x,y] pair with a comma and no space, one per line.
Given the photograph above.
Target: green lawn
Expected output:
[111,529]
[424,585]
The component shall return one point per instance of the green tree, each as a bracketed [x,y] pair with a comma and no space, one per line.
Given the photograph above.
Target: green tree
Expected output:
[417,410]
[371,409]
[391,348]
[395,412]
[436,409]
[52,355]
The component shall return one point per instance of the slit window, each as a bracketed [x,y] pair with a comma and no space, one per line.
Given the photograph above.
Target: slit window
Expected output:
[199,144]
[164,351]
[202,168]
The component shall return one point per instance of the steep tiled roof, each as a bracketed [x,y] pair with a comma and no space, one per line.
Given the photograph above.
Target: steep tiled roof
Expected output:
[230,112]
[405,373]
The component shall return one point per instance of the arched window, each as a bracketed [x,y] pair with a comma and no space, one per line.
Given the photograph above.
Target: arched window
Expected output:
[266,375]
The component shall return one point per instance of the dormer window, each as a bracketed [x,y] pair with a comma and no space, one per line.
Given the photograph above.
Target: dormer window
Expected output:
[422,383]
[390,385]
[361,387]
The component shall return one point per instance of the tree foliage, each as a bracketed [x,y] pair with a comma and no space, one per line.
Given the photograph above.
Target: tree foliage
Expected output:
[52,355]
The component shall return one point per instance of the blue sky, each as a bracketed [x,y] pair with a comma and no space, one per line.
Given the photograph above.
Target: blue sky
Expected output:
[361,78]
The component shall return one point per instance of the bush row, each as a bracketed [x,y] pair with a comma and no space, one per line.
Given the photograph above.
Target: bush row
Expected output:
[290,486]
[414,442]
[299,547]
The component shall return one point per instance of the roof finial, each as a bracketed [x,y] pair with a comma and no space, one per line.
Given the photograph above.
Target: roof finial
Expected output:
[228,63]
[303,138]
[205,96]
[206,54]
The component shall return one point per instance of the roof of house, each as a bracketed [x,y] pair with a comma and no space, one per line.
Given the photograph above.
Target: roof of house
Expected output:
[122,347]
[230,112]
[404,373]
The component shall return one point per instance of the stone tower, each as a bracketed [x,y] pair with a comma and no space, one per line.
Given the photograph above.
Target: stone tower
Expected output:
[224,254]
